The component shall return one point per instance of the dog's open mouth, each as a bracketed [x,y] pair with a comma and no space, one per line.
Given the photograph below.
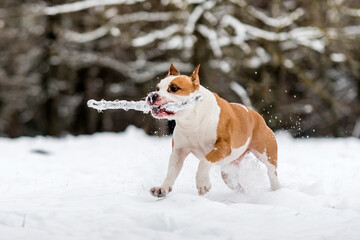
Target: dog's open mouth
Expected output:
[160,111]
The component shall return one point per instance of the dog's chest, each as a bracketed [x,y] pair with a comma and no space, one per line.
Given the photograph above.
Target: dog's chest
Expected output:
[200,140]
[198,133]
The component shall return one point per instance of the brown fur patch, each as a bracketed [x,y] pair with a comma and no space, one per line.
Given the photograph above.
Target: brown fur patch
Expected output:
[185,85]
[235,126]
[234,129]
[264,140]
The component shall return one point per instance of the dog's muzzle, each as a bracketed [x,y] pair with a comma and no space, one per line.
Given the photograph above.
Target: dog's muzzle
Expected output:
[152,97]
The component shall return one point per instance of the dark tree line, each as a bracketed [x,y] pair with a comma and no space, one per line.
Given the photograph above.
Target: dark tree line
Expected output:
[299,61]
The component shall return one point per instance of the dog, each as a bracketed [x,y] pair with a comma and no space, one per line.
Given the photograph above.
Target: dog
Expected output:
[215,131]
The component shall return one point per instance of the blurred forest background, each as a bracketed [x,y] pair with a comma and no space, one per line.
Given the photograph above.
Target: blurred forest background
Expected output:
[298,60]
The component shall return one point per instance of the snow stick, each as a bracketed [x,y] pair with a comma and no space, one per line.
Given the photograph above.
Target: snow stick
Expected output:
[141,105]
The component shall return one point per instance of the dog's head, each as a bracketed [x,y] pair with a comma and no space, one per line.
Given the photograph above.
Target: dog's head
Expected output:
[173,88]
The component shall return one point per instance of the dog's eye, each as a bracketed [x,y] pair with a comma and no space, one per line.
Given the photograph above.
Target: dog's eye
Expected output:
[173,89]
[157,89]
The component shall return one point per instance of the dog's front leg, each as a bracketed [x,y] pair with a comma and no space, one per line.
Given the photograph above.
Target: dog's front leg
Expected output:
[202,177]
[221,150]
[176,162]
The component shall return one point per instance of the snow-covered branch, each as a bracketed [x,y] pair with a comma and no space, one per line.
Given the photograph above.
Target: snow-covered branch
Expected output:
[241,92]
[259,58]
[351,11]
[178,42]
[213,39]
[149,17]
[138,71]
[88,36]
[245,32]
[146,70]
[196,14]
[82,5]
[311,37]
[279,22]
[122,19]
[336,33]
[158,34]
[351,30]
[240,3]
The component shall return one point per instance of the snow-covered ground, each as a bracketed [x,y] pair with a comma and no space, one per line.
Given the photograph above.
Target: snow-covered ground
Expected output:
[97,187]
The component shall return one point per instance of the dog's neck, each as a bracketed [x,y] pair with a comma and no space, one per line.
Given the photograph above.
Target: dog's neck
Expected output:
[195,116]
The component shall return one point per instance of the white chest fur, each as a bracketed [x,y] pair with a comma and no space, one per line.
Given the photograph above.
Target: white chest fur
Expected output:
[197,131]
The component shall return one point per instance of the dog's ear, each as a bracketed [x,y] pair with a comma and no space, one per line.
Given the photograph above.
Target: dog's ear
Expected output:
[173,71]
[195,76]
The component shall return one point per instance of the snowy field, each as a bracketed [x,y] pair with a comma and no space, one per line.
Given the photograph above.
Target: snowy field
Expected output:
[97,187]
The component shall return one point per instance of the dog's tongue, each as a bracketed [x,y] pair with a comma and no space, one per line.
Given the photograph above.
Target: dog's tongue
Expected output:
[161,111]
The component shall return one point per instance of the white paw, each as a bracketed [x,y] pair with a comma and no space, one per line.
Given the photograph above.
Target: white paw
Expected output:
[274,182]
[203,187]
[159,191]
[275,186]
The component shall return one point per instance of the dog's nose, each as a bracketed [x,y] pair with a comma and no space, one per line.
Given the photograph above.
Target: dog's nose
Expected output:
[152,97]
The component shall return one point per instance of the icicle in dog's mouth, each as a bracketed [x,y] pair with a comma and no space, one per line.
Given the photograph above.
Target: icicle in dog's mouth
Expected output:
[168,109]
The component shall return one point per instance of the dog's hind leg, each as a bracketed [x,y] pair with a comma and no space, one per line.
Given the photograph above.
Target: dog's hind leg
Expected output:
[230,174]
[267,158]
[264,147]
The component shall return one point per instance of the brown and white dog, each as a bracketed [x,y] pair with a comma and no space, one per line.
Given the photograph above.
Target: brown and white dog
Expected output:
[214,130]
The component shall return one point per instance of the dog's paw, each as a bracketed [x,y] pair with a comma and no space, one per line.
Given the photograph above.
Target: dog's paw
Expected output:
[159,192]
[203,189]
